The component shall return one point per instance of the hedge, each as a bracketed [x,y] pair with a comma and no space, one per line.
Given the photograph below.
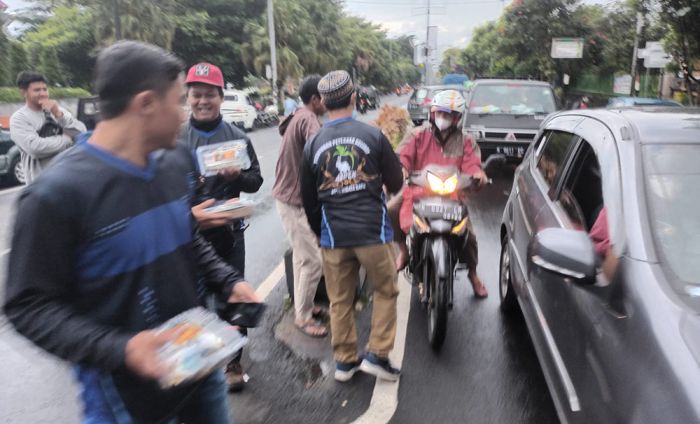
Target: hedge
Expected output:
[12,94]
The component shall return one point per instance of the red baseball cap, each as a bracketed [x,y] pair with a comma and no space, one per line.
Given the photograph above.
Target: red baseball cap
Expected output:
[205,73]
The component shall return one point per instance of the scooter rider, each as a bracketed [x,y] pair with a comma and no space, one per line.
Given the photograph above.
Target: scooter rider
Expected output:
[442,143]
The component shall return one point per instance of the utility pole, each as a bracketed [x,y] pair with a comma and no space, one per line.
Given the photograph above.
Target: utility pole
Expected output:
[117,20]
[428,71]
[640,24]
[273,47]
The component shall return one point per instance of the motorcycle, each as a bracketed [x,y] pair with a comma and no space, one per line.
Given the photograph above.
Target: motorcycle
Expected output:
[362,105]
[437,239]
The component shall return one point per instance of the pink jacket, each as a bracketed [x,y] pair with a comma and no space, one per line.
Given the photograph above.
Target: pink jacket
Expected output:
[422,149]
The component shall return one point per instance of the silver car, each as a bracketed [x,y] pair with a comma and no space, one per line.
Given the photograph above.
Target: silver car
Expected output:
[601,254]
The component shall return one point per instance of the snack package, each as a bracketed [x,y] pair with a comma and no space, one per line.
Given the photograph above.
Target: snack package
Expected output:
[215,157]
[241,208]
[204,344]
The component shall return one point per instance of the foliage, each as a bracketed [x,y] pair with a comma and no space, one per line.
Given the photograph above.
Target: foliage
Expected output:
[313,36]
[393,121]
[12,94]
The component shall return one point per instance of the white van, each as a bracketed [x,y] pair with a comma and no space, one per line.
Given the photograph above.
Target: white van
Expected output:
[238,109]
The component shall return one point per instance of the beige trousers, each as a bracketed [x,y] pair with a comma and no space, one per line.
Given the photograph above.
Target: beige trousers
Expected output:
[306,257]
[341,268]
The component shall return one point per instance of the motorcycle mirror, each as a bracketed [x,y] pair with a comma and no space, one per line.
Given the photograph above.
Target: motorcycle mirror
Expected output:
[494,162]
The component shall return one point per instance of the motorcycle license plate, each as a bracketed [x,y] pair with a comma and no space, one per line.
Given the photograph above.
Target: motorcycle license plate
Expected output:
[517,152]
[448,212]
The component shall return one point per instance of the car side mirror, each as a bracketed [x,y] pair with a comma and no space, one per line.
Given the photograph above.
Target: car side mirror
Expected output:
[568,253]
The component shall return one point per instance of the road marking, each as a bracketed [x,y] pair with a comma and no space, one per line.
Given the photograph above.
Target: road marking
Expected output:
[11,190]
[385,397]
[4,252]
[266,287]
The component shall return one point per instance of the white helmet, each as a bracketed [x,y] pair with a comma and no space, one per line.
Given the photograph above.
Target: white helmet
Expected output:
[448,101]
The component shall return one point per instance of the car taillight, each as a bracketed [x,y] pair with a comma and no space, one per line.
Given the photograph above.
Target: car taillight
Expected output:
[427,101]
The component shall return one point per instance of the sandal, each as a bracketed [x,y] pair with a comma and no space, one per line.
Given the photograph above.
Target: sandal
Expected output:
[313,329]
[319,312]
[480,291]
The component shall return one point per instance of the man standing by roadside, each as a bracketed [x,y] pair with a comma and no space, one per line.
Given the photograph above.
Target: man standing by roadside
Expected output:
[344,170]
[205,94]
[105,249]
[296,130]
[38,141]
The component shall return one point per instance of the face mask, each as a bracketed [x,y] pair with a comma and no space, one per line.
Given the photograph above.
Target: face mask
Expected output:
[442,123]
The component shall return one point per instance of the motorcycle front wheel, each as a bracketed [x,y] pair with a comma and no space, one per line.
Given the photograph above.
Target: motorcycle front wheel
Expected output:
[437,308]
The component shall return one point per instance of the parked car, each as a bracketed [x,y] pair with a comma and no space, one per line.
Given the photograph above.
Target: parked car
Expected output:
[419,103]
[10,164]
[616,102]
[238,109]
[504,115]
[89,111]
[616,329]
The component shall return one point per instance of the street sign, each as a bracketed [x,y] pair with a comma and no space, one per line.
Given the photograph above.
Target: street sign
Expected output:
[622,84]
[567,48]
[655,56]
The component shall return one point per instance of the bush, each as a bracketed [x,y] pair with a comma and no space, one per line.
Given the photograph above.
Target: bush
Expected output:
[393,121]
[12,94]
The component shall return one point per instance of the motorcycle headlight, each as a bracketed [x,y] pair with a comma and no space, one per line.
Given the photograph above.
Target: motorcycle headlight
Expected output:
[439,186]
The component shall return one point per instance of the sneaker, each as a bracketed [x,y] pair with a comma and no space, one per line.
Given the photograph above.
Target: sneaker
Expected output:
[379,367]
[345,370]
[235,377]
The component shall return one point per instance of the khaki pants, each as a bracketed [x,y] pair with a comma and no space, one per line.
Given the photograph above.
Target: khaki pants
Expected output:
[471,253]
[306,258]
[341,267]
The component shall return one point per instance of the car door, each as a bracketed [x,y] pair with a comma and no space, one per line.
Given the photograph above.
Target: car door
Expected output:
[551,159]
[590,197]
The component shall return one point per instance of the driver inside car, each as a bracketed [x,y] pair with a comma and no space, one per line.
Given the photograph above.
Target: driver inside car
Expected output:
[441,142]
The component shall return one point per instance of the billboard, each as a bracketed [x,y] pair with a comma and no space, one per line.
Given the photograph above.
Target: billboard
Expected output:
[567,48]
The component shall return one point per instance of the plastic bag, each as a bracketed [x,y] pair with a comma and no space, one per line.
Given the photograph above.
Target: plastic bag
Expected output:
[215,157]
[204,344]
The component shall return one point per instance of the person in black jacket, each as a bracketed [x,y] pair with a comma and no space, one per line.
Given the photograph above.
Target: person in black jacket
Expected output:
[105,249]
[345,167]
[205,84]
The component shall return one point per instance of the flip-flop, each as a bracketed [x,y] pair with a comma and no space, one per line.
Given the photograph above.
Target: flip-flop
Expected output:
[306,329]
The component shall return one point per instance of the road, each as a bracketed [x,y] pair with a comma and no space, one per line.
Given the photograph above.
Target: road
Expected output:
[487,371]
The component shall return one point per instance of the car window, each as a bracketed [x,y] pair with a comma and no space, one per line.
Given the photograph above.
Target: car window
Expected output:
[512,98]
[672,180]
[4,136]
[231,98]
[552,154]
[581,196]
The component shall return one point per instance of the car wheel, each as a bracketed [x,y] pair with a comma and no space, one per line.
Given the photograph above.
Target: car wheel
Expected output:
[16,171]
[509,301]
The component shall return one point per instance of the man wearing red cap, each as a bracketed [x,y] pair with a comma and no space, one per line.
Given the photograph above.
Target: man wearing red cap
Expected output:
[205,94]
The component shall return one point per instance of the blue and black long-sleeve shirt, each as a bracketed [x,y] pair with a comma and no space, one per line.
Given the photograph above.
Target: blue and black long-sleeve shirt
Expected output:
[102,250]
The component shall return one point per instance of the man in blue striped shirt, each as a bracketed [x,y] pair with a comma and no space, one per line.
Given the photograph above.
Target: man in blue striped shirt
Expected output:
[345,167]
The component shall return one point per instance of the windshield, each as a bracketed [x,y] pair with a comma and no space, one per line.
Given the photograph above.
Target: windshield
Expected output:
[517,99]
[421,94]
[673,189]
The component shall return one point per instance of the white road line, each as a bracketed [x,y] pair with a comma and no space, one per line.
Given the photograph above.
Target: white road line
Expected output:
[11,190]
[385,397]
[4,252]
[266,287]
